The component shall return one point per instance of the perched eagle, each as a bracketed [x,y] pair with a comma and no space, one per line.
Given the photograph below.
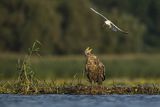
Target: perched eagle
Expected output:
[94,69]
[110,24]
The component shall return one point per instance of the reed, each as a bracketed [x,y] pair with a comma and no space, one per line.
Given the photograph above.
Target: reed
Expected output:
[26,79]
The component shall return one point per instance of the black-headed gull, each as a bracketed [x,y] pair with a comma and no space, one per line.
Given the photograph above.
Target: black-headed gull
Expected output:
[109,23]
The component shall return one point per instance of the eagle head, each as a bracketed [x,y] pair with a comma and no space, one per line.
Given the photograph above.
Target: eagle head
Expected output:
[88,51]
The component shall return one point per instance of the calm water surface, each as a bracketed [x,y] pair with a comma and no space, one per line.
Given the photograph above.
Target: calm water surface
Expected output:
[7,100]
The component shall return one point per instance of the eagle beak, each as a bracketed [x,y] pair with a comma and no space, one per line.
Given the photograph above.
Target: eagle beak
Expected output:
[90,50]
[87,49]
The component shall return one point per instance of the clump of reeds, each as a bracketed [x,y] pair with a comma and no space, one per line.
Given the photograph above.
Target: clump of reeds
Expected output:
[26,80]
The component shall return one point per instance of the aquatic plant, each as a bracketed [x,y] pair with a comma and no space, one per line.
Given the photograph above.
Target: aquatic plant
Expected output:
[26,79]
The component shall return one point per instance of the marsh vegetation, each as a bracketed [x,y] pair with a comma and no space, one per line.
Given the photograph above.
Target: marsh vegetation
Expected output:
[30,81]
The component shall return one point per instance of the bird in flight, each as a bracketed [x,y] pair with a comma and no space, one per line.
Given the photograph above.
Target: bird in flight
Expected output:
[109,23]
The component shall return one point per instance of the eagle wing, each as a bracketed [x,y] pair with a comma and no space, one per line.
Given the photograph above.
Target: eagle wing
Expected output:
[102,68]
[88,70]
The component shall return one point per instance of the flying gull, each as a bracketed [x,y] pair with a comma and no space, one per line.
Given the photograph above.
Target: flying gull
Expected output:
[109,23]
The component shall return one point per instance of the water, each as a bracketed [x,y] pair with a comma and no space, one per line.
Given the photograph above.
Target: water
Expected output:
[7,100]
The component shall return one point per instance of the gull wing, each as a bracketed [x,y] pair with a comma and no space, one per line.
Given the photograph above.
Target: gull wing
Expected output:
[115,28]
[98,13]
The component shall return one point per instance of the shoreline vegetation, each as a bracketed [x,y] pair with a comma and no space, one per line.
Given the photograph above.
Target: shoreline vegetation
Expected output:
[28,83]
[78,87]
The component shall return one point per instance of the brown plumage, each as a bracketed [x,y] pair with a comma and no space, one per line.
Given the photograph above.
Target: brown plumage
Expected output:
[94,69]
